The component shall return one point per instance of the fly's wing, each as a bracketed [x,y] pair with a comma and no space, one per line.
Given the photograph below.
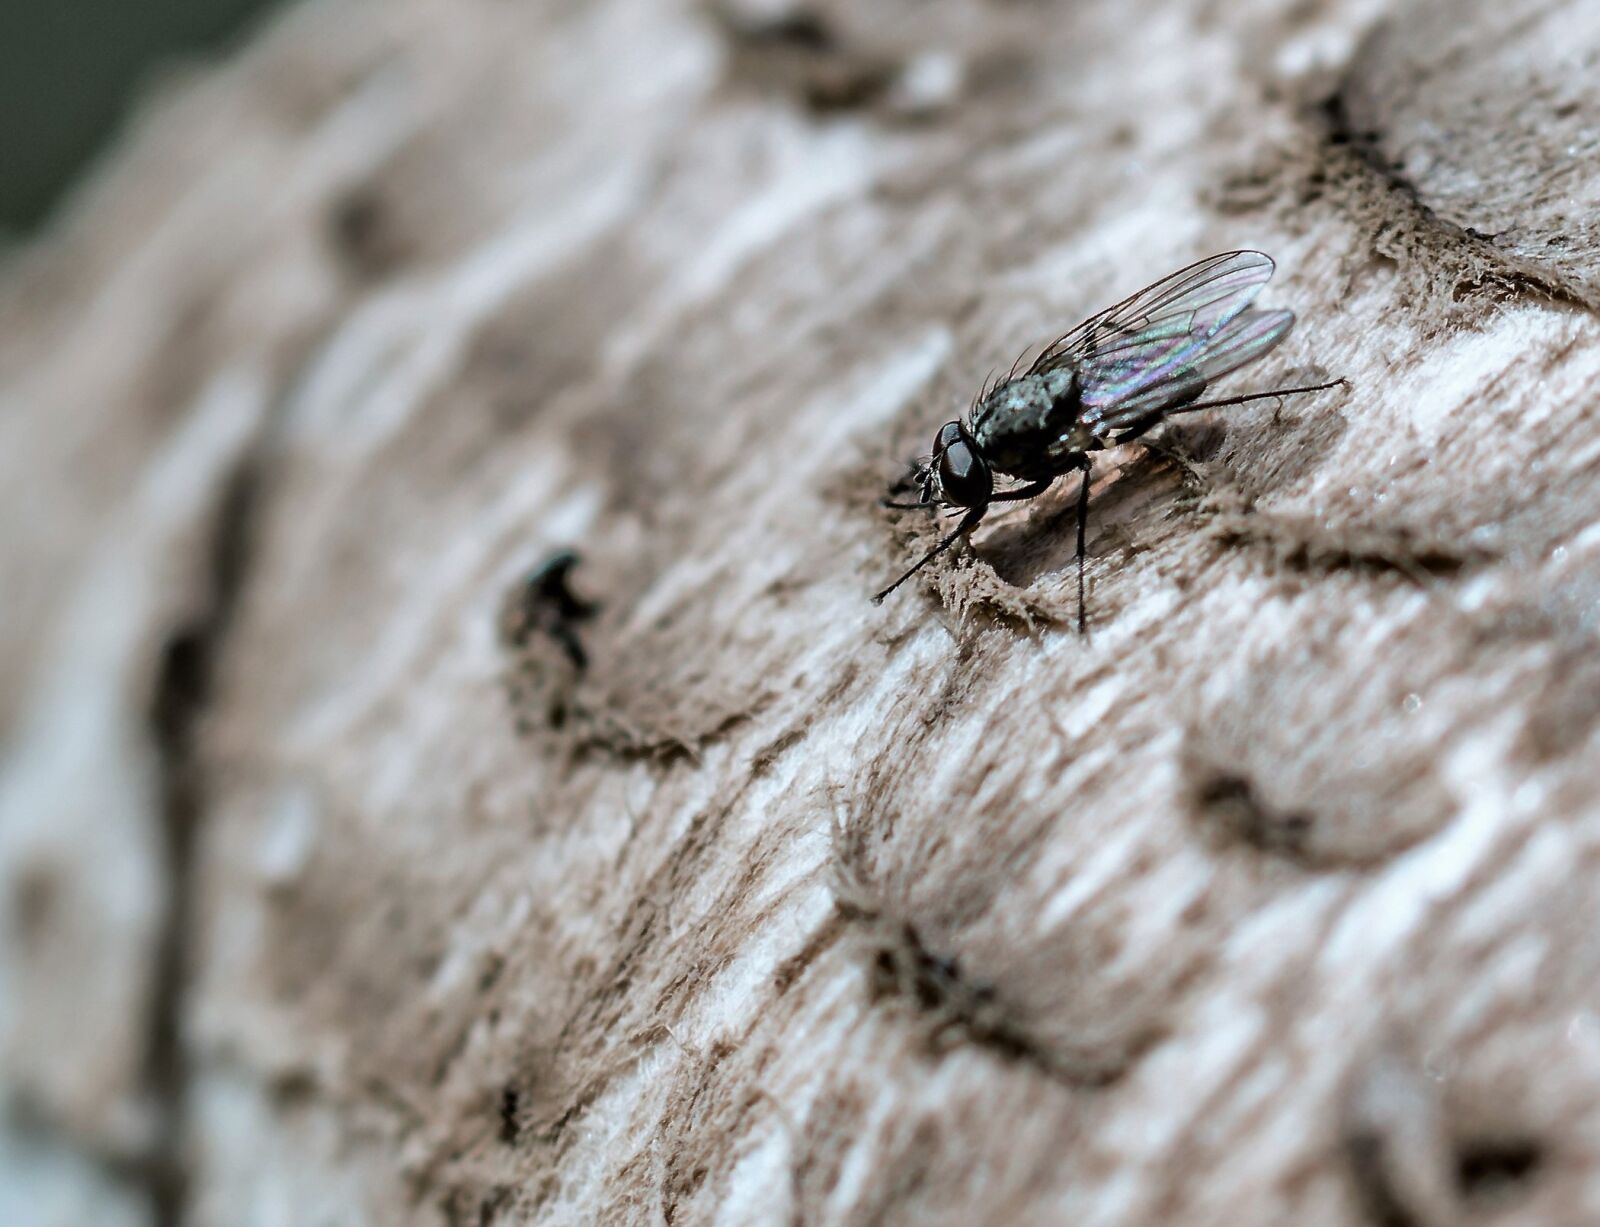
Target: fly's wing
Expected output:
[1182,372]
[1123,341]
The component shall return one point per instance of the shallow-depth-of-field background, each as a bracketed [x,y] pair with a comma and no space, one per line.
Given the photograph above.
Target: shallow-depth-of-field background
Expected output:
[346,875]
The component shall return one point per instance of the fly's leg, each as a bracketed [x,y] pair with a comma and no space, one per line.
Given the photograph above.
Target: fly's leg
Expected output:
[1031,490]
[1083,531]
[914,478]
[968,523]
[907,480]
[1139,429]
[1250,396]
[1144,425]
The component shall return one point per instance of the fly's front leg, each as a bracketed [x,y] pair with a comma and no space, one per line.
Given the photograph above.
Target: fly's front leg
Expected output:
[968,523]
[914,478]
[1031,490]
[910,479]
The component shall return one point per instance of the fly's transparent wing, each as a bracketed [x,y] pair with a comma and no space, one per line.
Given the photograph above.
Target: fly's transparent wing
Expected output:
[1139,331]
[1182,372]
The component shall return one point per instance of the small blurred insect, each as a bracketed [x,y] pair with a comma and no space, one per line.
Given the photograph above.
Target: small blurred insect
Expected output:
[1105,383]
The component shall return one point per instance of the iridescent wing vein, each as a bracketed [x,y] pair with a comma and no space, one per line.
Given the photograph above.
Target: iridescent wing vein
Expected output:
[1192,323]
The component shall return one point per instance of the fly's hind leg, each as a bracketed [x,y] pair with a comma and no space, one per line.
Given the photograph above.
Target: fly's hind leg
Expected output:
[1083,532]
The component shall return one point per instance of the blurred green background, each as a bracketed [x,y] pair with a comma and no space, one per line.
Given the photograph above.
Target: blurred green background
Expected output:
[69,70]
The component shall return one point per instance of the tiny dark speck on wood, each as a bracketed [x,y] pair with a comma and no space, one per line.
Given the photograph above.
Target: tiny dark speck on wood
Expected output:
[545,604]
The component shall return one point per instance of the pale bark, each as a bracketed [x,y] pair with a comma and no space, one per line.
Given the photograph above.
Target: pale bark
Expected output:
[336,890]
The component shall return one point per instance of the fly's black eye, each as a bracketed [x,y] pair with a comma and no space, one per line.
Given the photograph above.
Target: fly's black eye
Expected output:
[964,479]
[949,435]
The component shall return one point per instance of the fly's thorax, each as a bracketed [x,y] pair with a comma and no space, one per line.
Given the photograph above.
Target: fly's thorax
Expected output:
[1020,425]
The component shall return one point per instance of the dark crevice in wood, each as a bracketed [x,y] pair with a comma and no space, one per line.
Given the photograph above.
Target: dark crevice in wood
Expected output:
[183,690]
[1342,136]
[1381,1201]
[958,1005]
[510,1124]
[1306,544]
[1493,1167]
[1233,801]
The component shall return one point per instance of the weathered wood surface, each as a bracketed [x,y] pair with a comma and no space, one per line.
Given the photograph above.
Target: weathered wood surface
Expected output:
[335,892]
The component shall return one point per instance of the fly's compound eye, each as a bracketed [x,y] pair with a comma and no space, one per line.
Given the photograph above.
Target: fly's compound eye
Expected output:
[964,479]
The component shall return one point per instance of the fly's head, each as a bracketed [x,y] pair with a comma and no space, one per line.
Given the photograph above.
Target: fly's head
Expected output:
[957,474]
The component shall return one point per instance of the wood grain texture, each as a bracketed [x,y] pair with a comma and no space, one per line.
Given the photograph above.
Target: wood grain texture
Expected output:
[338,891]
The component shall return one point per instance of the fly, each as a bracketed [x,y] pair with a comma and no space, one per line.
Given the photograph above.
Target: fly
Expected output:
[1105,383]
